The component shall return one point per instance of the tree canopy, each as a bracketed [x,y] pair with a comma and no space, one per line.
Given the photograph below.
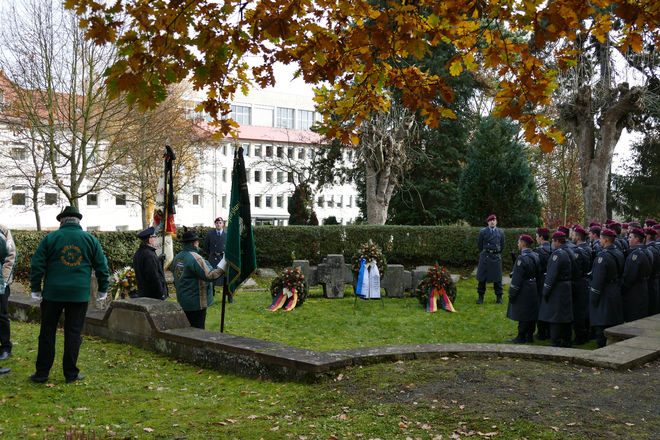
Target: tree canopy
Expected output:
[360,49]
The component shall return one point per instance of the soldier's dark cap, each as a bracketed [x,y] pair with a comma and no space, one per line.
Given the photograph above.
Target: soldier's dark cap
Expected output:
[542,231]
[218,219]
[491,217]
[592,224]
[527,238]
[595,229]
[608,221]
[562,228]
[650,222]
[580,229]
[188,236]
[608,233]
[634,225]
[69,211]
[575,226]
[558,235]
[650,231]
[147,233]
[616,227]
[638,232]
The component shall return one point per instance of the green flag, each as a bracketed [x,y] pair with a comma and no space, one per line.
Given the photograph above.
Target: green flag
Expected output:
[239,250]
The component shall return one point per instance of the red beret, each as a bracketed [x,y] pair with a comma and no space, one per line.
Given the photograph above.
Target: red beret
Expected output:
[634,225]
[650,231]
[491,217]
[541,231]
[527,238]
[650,222]
[638,232]
[608,233]
[580,229]
[219,219]
[609,221]
[595,229]
[592,224]
[563,229]
[624,225]
[558,234]
[656,227]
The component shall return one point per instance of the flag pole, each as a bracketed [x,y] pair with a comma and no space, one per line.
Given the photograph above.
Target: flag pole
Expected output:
[165,213]
[224,300]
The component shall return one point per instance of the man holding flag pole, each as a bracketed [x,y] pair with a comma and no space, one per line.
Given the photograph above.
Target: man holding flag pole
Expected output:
[240,255]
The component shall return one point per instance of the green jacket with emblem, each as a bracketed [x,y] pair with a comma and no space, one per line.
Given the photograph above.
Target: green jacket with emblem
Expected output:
[64,260]
[8,257]
[192,279]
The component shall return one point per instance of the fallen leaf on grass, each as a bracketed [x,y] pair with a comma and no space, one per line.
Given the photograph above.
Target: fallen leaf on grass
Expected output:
[554,428]
[630,424]
[274,428]
[148,429]
[252,417]
[61,419]
[219,423]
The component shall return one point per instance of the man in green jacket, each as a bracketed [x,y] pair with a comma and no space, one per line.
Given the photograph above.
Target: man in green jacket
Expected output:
[193,277]
[8,257]
[64,261]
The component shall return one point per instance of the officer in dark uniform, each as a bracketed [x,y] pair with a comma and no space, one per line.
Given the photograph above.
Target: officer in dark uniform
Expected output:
[523,291]
[636,274]
[557,304]
[491,244]
[620,242]
[581,286]
[544,250]
[569,237]
[149,274]
[214,247]
[605,303]
[594,238]
[653,246]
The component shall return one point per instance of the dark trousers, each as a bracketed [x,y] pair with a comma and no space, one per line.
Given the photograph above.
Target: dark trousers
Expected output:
[497,287]
[526,330]
[5,331]
[197,318]
[543,330]
[560,334]
[599,332]
[74,318]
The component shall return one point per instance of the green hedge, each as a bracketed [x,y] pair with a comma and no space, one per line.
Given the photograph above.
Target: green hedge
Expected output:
[278,246]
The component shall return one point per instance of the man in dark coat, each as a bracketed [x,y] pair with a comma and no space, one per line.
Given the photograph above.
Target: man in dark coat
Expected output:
[653,245]
[491,244]
[557,304]
[636,274]
[620,242]
[581,286]
[594,239]
[214,247]
[544,250]
[523,291]
[605,303]
[149,274]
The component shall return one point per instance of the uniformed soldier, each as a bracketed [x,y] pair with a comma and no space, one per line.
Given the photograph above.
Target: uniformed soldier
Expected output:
[523,291]
[566,230]
[636,273]
[557,304]
[148,266]
[594,238]
[605,303]
[649,222]
[544,250]
[581,287]
[491,244]
[653,246]
[620,242]
[624,230]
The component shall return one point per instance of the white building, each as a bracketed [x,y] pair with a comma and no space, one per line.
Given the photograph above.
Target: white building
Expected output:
[274,130]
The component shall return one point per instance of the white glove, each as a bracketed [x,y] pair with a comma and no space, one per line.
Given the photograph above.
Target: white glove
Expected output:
[36,295]
[101,296]
[222,265]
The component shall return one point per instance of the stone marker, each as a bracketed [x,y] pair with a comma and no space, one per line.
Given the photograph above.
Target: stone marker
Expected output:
[308,272]
[393,281]
[330,274]
[266,272]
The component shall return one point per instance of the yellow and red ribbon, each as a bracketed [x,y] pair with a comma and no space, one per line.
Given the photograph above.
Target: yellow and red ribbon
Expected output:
[291,304]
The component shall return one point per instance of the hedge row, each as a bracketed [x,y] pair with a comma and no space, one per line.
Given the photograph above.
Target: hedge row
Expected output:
[278,246]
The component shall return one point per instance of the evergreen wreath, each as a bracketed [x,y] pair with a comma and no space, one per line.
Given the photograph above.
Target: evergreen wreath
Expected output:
[370,252]
[123,283]
[437,277]
[290,279]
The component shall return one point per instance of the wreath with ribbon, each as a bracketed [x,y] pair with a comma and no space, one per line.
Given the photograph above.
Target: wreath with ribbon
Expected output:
[288,290]
[437,287]
[369,252]
[123,284]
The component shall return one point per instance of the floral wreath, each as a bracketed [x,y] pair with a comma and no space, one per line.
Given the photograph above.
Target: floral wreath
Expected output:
[369,252]
[123,284]
[437,286]
[288,290]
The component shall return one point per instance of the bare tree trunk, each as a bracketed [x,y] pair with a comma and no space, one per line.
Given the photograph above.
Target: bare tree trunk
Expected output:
[379,193]
[35,206]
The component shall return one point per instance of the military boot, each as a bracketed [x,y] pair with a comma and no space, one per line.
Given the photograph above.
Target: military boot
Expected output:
[499,299]
[480,300]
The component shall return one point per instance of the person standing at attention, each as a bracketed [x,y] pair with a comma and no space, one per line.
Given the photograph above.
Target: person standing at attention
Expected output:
[491,244]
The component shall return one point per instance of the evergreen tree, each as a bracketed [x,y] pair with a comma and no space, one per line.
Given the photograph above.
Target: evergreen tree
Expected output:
[497,179]
[300,206]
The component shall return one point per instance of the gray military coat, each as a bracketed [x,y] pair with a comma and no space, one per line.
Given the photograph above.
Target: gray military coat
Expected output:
[557,301]
[491,244]
[523,294]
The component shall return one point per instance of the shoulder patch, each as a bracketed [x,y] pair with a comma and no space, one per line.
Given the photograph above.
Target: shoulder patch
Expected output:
[634,257]
[519,262]
[600,260]
[554,258]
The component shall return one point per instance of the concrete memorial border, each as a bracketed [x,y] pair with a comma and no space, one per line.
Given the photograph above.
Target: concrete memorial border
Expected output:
[162,327]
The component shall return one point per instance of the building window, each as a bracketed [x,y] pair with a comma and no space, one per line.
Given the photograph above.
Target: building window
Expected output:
[240,114]
[257,176]
[50,199]
[269,177]
[320,202]
[120,200]
[224,201]
[279,201]
[301,153]
[18,195]
[257,150]
[224,174]
[340,202]
[289,153]
[350,201]
[269,201]
[305,119]
[280,177]
[289,177]
[263,116]
[93,228]
[92,200]
[246,149]
[331,202]
[257,201]
[285,117]
[224,149]
[269,151]
[280,152]
[18,154]
[195,199]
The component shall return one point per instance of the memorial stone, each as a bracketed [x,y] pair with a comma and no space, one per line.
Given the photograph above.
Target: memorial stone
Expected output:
[393,281]
[330,274]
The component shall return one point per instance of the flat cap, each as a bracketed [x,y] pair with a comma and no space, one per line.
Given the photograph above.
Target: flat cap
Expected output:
[147,233]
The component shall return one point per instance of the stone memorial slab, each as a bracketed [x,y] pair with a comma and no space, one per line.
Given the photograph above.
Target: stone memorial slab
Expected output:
[393,281]
[330,274]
